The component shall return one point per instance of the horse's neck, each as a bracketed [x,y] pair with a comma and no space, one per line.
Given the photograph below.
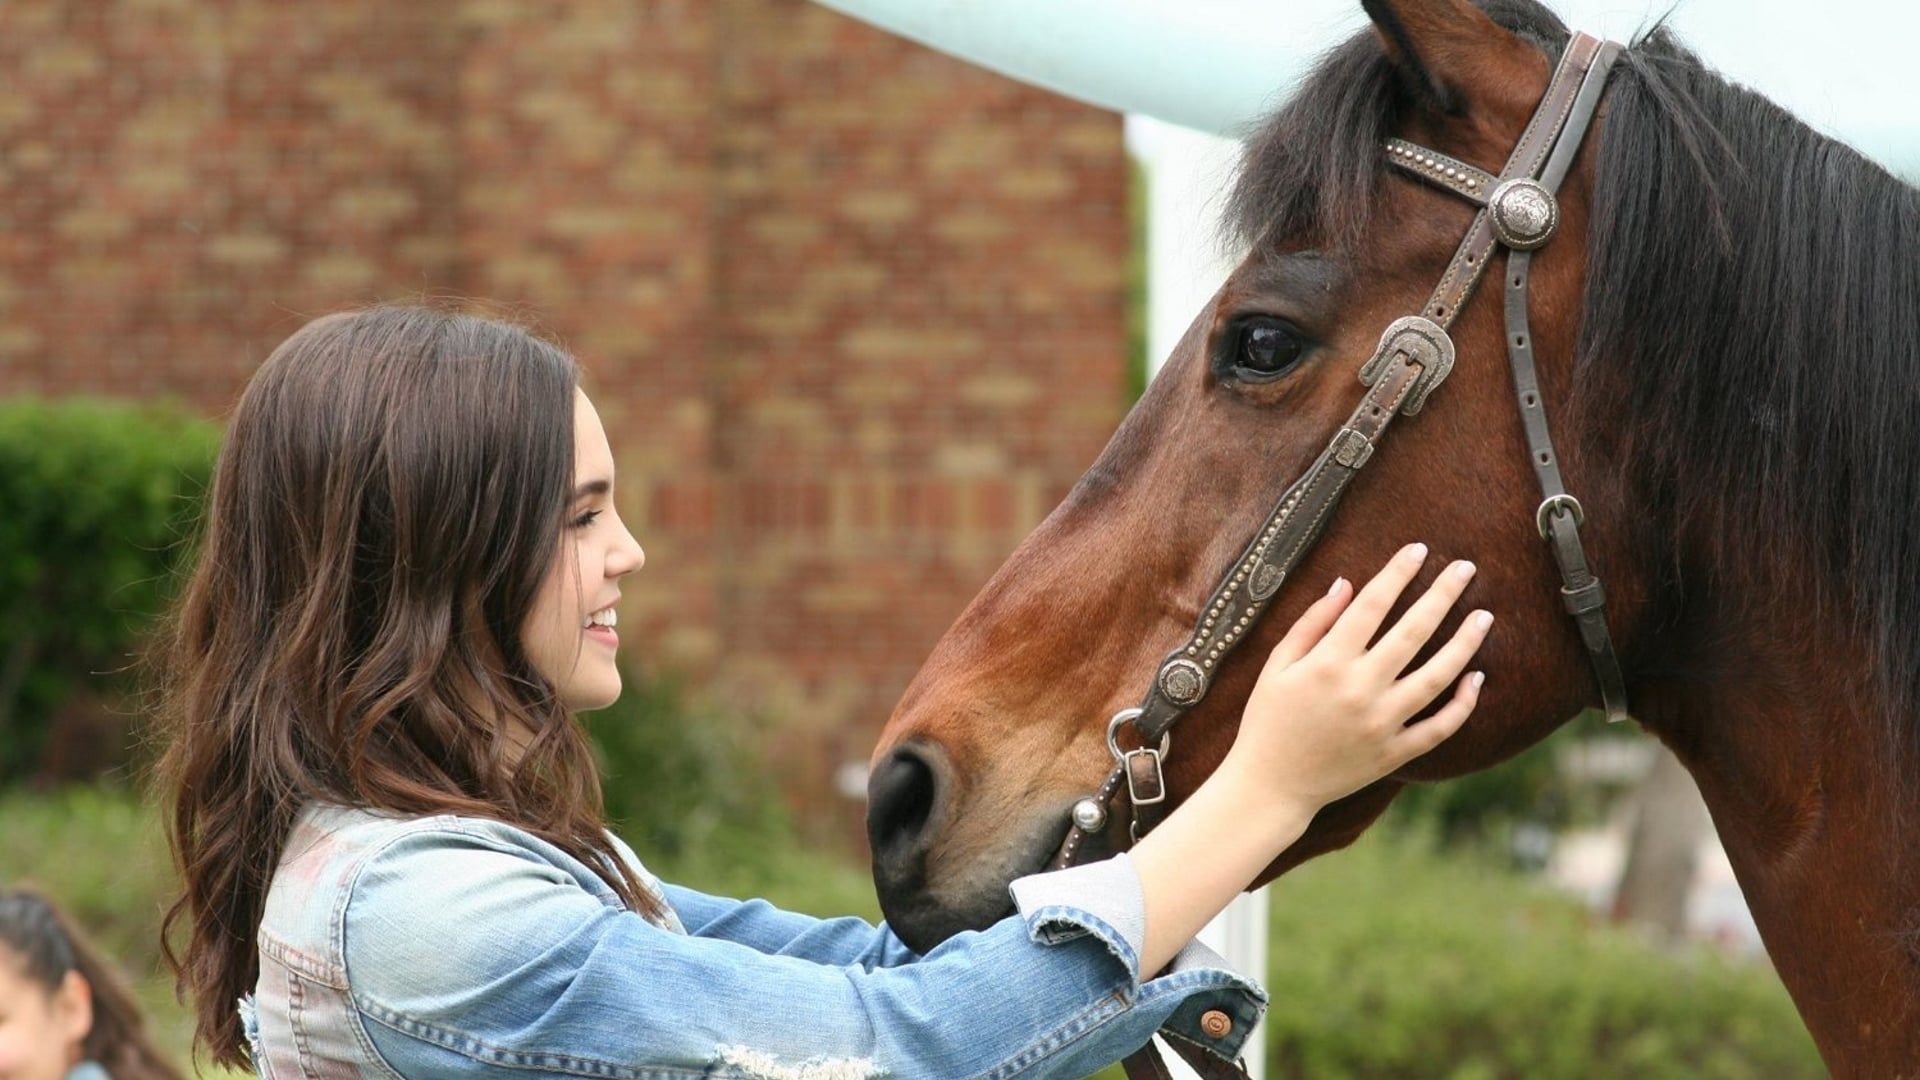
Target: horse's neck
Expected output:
[1779,732]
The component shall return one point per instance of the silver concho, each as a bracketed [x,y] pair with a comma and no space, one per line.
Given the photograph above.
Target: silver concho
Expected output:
[1265,581]
[1426,344]
[1182,681]
[1523,213]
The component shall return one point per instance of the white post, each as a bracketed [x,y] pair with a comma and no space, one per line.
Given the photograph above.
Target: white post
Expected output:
[1187,174]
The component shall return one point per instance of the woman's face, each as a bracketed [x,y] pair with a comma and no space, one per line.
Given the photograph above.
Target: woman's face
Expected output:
[596,551]
[40,1032]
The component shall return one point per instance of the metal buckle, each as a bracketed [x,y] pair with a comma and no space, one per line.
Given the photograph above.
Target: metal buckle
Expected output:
[1426,343]
[1159,778]
[1562,501]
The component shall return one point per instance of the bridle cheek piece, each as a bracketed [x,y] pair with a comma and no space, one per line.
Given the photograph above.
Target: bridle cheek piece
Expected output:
[1517,211]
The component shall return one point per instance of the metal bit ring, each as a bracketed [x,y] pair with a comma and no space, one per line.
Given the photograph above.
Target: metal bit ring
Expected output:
[1113,733]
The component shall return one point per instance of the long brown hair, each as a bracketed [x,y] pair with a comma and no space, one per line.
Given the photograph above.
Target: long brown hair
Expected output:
[389,497]
[48,946]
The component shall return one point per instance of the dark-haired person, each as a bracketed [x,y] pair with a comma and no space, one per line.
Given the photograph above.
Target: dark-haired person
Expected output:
[387,816]
[65,1013]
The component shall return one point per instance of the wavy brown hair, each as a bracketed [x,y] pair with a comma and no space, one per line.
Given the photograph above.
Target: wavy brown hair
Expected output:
[47,946]
[389,497]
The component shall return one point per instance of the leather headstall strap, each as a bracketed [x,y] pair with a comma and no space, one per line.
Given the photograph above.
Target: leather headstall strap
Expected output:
[1516,210]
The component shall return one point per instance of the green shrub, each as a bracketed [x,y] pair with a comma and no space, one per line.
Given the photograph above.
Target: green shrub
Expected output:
[678,774]
[1481,808]
[94,498]
[1391,959]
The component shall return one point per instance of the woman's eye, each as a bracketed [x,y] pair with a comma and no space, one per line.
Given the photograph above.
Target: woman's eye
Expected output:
[1267,347]
[585,519]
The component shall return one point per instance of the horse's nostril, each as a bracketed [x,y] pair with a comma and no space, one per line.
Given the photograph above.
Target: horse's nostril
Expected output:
[900,799]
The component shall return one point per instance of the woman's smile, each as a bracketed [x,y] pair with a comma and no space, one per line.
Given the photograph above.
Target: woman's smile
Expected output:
[600,627]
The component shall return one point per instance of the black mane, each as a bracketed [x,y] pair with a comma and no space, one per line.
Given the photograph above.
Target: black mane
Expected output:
[1750,331]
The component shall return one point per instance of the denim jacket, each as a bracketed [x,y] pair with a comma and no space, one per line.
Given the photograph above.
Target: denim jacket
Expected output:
[460,946]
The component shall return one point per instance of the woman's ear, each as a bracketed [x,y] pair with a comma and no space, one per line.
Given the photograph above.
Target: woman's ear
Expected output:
[73,1008]
[1454,60]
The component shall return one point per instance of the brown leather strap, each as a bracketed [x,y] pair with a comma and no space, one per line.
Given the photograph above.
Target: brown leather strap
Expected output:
[1470,259]
[1147,1064]
[1559,515]
[1288,533]
[1470,183]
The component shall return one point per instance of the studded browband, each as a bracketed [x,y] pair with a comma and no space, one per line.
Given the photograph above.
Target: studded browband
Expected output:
[1518,211]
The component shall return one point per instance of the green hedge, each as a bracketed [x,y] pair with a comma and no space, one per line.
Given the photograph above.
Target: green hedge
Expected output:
[680,776]
[1392,959]
[95,497]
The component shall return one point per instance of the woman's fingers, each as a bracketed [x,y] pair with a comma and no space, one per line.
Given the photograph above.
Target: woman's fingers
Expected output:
[1424,683]
[1357,624]
[1396,648]
[1310,627]
[1418,739]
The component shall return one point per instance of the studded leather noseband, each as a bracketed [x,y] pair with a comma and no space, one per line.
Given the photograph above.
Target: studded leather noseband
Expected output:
[1517,210]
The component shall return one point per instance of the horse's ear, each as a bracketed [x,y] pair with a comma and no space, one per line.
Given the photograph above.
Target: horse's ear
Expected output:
[1449,53]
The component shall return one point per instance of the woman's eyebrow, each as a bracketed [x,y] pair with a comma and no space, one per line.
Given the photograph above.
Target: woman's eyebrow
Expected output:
[592,487]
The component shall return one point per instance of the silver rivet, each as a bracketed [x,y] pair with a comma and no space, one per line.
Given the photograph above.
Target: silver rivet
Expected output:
[1089,816]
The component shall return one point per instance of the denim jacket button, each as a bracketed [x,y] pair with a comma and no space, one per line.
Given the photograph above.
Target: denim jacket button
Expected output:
[1216,1023]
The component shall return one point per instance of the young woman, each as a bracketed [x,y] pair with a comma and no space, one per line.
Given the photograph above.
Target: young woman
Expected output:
[386,813]
[64,1011]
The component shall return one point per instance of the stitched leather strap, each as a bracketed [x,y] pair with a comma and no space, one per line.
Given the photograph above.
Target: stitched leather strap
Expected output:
[1580,591]
[1470,260]
[1469,182]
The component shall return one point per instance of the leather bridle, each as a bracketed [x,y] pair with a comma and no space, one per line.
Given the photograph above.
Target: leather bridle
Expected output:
[1517,211]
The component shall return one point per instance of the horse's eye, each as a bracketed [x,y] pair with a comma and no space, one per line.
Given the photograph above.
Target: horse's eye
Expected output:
[1267,348]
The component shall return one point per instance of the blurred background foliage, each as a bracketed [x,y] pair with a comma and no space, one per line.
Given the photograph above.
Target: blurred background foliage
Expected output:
[94,495]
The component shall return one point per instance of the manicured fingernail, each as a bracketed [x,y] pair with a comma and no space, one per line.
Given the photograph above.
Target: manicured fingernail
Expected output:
[1478,678]
[1464,569]
[1482,619]
[1335,589]
[1416,552]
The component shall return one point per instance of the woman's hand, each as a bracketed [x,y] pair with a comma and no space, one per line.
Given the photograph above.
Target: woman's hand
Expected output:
[1329,715]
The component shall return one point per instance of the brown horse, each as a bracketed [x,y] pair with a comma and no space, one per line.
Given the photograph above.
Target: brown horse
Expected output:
[1725,330]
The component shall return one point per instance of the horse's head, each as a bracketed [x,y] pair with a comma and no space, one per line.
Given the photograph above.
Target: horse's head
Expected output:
[1005,727]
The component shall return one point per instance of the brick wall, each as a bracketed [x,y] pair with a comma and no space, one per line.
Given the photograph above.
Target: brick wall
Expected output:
[852,311]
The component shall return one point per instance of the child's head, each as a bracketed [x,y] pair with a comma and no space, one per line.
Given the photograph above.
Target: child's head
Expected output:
[60,1003]
[410,524]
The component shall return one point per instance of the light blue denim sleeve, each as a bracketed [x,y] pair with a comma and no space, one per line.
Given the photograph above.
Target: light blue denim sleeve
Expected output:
[760,925]
[468,954]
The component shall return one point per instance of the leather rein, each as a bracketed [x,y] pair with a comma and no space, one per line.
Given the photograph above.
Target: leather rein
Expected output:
[1516,210]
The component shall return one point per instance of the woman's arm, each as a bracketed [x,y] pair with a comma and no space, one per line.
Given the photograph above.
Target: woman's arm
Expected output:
[760,925]
[468,952]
